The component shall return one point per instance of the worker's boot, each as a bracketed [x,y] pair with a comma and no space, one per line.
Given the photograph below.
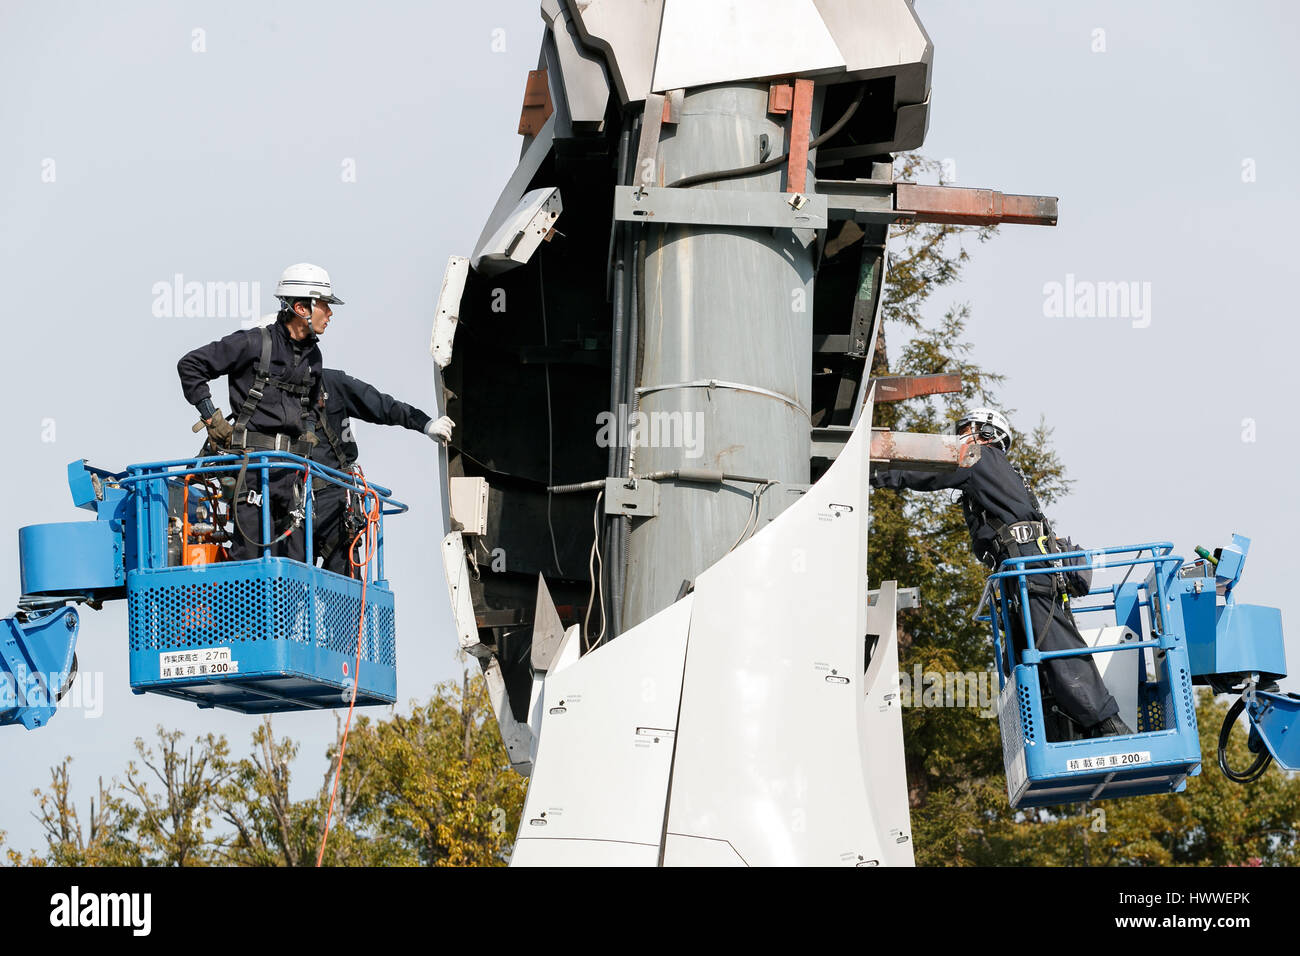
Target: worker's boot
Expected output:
[1110,727]
[1061,727]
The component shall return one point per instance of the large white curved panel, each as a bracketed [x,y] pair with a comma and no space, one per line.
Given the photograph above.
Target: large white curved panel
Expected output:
[775,754]
[606,746]
[882,740]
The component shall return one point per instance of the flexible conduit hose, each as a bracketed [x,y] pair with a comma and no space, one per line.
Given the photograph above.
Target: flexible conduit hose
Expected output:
[776,160]
[1262,759]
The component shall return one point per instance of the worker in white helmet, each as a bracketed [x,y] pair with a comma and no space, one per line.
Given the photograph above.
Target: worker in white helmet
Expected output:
[1004,520]
[274,377]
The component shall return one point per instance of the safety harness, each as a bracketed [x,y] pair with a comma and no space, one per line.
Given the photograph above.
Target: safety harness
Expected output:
[332,439]
[257,441]
[250,441]
[352,521]
[1025,538]
[1021,538]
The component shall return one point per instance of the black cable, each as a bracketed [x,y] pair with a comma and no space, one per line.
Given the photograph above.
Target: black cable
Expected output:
[775,161]
[239,483]
[68,681]
[1262,759]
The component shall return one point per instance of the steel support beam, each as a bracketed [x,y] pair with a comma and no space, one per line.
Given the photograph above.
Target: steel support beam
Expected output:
[877,201]
[717,207]
[902,387]
[974,207]
[921,452]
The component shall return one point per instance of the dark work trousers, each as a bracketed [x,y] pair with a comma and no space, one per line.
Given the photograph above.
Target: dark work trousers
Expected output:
[1075,682]
[249,516]
[331,536]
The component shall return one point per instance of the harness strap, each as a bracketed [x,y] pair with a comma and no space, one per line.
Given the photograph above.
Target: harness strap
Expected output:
[259,441]
[335,443]
[262,378]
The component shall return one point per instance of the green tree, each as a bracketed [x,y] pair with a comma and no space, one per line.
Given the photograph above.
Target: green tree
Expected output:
[271,828]
[433,788]
[440,787]
[172,826]
[105,839]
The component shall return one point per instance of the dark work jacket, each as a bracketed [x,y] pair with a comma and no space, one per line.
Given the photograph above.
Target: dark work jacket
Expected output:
[345,397]
[991,491]
[236,356]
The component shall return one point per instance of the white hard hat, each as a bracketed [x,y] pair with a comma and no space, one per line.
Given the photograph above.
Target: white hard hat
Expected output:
[989,424]
[306,281]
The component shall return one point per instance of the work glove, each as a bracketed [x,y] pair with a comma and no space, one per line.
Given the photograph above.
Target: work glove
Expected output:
[440,429]
[219,430]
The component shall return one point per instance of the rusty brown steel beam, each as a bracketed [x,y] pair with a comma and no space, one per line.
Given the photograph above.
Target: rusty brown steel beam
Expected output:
[796,176]
[897,388]
[920,452]
[537,108]
[971,207]
[780,97]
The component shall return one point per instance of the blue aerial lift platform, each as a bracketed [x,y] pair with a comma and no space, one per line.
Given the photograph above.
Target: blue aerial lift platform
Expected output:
[263,635]
[1163,630]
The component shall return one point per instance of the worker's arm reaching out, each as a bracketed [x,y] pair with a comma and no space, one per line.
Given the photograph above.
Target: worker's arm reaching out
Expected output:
[362,400]
[921,480]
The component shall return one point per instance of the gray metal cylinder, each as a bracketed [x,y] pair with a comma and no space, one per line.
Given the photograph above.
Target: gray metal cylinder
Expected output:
[733,305]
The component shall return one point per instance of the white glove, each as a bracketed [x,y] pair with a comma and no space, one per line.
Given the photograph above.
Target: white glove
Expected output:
[440,429]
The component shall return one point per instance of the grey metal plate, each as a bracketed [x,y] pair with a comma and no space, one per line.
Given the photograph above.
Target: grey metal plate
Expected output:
[520,232]
[882,37]
[719,41]
[861,200]
[586,84]
[529,163]
[628,33]
[639,501]
[717,207]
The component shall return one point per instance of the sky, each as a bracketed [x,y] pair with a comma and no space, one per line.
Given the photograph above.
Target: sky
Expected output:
[149,140]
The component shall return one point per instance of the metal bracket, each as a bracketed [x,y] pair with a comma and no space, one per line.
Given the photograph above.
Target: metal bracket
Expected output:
[526,227]
[633,497]
[652,121]
[717,207]
[908,598]
[537,108]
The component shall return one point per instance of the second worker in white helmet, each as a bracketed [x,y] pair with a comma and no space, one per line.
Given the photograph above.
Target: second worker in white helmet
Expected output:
[1004,520]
